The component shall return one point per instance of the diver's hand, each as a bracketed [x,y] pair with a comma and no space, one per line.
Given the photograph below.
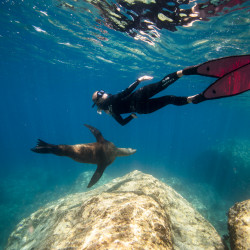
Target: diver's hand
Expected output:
[144,78]
[134,115]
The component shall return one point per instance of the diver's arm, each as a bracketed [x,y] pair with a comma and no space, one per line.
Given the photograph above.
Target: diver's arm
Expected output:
[129,89]
[124,121]
[133,86]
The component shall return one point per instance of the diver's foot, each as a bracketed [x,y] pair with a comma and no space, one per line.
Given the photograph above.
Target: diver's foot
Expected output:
[196,98]
[190,99]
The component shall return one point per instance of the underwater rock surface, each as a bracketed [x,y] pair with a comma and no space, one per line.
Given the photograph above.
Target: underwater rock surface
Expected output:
[239,225]
[130,212]
[230,160]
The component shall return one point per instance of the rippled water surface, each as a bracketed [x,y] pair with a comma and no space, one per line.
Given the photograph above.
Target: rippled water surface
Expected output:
[66,32]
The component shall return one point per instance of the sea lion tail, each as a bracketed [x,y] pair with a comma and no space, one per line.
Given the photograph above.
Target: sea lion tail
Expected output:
[125,151]
[44,147]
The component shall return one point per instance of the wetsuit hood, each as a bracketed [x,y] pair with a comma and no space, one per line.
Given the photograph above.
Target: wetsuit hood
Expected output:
[96,96]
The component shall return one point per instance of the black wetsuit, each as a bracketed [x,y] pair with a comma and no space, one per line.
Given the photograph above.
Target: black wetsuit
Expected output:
[140,101]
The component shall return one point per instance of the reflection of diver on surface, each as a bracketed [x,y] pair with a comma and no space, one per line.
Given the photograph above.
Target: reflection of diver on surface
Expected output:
[141,19]
[234,78]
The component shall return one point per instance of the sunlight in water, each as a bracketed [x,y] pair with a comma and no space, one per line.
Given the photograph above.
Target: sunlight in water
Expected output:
[56,54]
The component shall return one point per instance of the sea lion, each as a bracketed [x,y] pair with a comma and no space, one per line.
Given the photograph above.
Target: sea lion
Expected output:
[102,152]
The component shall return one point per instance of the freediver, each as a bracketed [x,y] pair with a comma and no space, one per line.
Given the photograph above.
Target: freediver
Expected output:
[234,78]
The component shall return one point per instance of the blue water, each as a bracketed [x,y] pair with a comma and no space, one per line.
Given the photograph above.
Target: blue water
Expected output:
[53,59]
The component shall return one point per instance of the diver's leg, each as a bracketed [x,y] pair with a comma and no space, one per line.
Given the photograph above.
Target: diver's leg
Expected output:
[150,90]
[154,104]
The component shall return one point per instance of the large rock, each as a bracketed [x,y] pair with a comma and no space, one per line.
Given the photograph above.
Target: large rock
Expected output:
[133,212]
[239,225]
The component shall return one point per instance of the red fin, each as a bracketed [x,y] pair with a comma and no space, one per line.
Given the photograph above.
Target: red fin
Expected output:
[222,66]
[233,83]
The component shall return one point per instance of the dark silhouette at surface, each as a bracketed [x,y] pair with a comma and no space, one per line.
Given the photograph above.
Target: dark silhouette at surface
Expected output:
[142,20]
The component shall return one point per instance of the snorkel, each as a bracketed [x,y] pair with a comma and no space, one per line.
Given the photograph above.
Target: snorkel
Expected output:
[99,111]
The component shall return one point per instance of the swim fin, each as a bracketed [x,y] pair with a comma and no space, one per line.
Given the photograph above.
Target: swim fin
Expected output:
[233,83]
[218,67]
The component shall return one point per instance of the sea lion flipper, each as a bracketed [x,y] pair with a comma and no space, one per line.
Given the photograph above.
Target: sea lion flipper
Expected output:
[44,147]
[96,133]
[97,175]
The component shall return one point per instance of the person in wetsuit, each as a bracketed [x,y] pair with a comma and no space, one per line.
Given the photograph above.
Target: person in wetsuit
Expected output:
[139,101]
[233,73]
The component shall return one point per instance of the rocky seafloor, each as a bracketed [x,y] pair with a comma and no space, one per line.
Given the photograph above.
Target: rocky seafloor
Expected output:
[136,211]
[211,186]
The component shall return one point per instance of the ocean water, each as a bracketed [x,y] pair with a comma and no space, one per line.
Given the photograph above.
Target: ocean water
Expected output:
[55,54]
